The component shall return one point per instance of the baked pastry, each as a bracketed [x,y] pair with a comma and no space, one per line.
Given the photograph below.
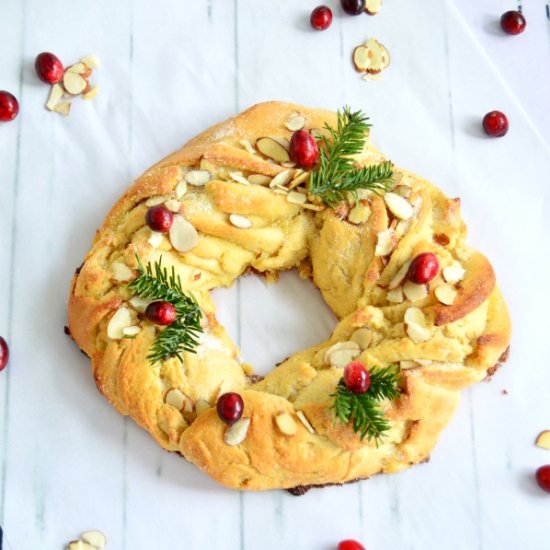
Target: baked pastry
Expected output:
[233,212]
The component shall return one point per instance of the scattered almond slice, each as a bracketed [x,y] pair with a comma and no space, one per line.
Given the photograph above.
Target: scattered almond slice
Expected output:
[155,200]
[463,253]
[407,364]
[139,304]
[183,235]
[543,440]
[286,424]
[281,179]
[91,61]
[95,538]
[299,177]
[271,148]
[91,94]
[198,177]
[446,294]
[156,239]
[239,178]
[369,76]
[201,406]
[131,331]
[248,146]
[121,272]
[398,206]
[385,242]
[402,228]
[173,205]
[181,189]
[385,56]
[372,7]
[63,108]
[362,337]
[285,143]
[79,545]
[259,179]
[175,398]
[295,197]
[415,325]
[399,277]
[74,83]
[347,345]
[56,93]
[122,319]
[236,434]
[414,292]
[453,273]
[78,68]
[361,59]
[395,296]
[295,122]
[359,214]
[305,421]
[242,222]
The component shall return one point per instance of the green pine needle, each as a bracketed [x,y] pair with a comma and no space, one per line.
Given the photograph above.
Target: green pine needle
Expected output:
[337,177]
[363,410]
[155,283]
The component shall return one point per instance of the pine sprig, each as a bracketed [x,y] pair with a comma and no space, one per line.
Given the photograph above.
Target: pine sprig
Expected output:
[337,176]
[363,410]
[154,282]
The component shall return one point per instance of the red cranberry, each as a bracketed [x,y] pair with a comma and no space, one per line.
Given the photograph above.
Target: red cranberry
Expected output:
[353,7]
[321,18]
[161,313]
[230,407]
[423,268]
[9,106]
[4,353]
[350,544]
[48,67]
[495,124]
[303,149]
[159,218]
[356,377]
[543,477]
[513,22]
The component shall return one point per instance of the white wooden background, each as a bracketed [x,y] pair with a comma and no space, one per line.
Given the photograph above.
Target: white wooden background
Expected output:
[68,462]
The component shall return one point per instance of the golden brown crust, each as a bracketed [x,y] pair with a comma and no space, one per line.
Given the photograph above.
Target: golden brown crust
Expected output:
[341,255]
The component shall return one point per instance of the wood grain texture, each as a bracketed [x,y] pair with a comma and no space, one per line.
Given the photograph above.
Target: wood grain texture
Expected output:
[67,461]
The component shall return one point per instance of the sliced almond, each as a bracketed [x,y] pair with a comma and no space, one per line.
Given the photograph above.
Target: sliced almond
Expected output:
[281,179]
[79,545]
[201,406]
[295,122]
[453,273]
[395,296]
[173,205]
[156,239]
[314,207]
[375,55]
[236,434]
[176,398]
[446,294]
[403,191]
[402,228]
[239,178]
[339,359]
[299,177]
[305,421]
[78,68]
[362,337]
[92,61]
[406,364]
[183,235]
[242,222]
[296,198]
[414,292]
[63,108]
[140,304]
[198,177]
[400,275]
[121,272]
[248,146]
[91,94]
[122,319]
[543,440]
[385,242]
[272,149]
[372,7]
[463,253]
[385,56]
[282,141]
[398,206]
[415,325]
[156,200]
[131,331]
[181,189]
[74,83]
[95,538]
[286,424]
[361,59]
[259,179]
[347,345]
[359,214]
[56,93]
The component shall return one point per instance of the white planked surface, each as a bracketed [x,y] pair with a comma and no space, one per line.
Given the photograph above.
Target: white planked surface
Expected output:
[68,462]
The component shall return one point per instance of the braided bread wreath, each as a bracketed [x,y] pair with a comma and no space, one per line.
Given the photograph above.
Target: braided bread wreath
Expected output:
[356,255]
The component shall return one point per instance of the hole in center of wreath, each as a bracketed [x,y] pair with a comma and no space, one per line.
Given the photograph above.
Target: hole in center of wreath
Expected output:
[270,322]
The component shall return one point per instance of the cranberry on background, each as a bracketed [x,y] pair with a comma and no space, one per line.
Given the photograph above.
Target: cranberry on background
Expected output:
[48,67]
[495,124]
[353,7]
[159,218]
[9,106]
[161,313]
[303,149]
[350,544]
[542,476]
[356,377]
[513,22]
[4,353]
[321,18]
[230,407]
[423,268]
